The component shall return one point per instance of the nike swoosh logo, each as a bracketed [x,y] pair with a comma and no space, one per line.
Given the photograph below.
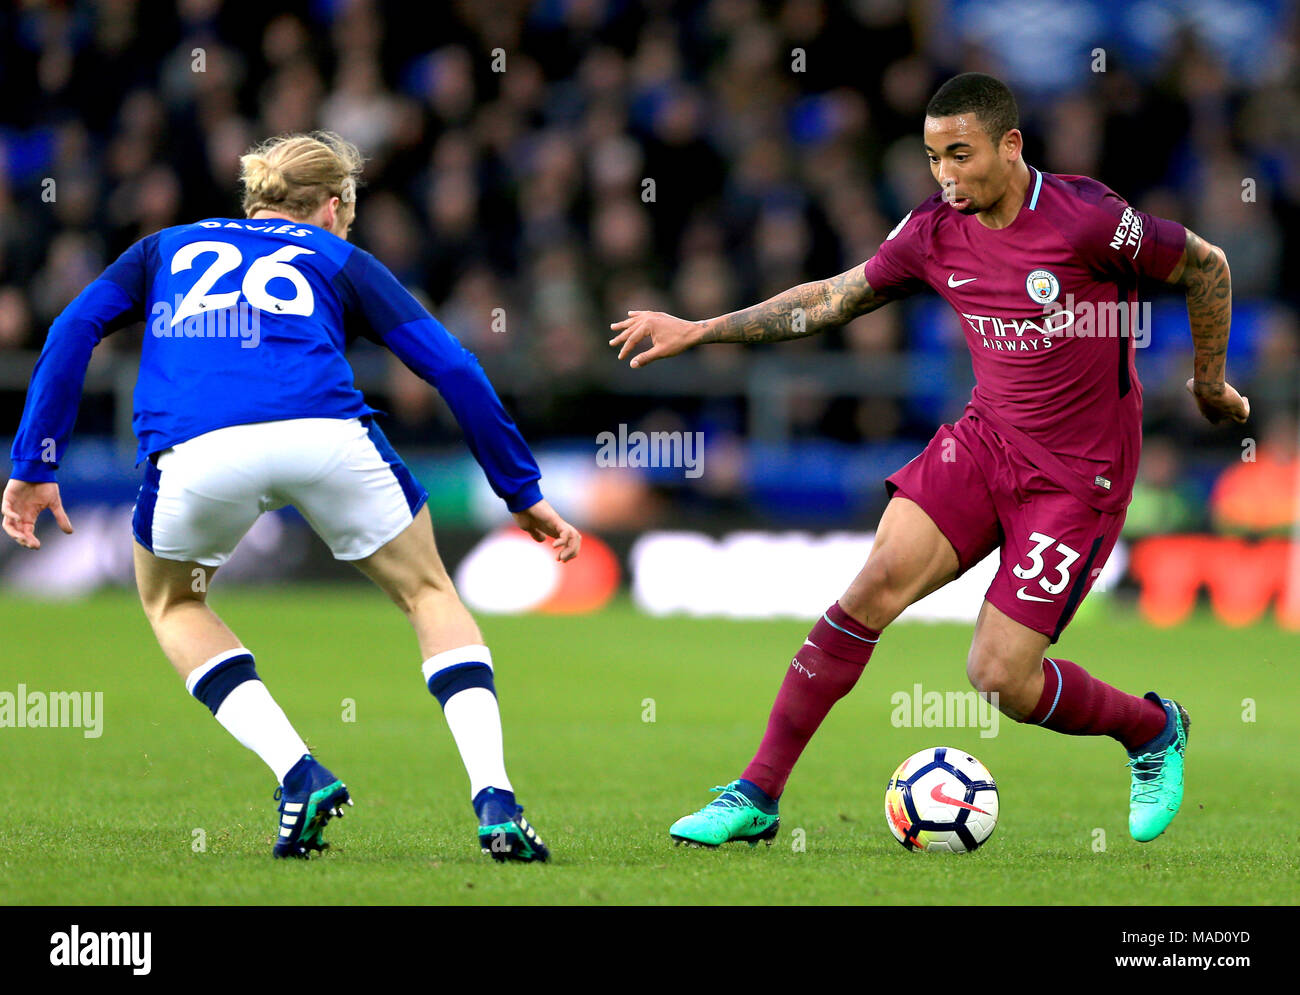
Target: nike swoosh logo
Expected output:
[1030,597]
[958,283]
[938,795]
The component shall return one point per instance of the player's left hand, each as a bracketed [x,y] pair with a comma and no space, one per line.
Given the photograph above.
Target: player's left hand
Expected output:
[668,336]
[1219,401]
[23,502]
[541,520]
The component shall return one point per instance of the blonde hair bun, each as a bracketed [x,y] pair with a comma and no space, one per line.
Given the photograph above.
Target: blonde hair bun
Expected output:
[296,174]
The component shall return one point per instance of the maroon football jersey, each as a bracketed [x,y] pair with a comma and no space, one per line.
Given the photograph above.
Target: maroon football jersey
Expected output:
[1048,307]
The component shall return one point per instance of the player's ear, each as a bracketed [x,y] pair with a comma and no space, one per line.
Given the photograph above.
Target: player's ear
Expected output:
[1013,143]
[330,218]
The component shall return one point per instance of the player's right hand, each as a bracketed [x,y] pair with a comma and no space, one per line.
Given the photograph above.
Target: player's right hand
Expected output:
[22,504]
[541,521]
[668,335]
[1219,401]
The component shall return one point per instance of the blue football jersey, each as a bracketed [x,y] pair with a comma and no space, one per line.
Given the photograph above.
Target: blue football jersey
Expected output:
[247,321]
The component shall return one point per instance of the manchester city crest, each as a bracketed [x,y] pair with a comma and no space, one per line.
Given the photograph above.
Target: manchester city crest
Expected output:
[1043,286]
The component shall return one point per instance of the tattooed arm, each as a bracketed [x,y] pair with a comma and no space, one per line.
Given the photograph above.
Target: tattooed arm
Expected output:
[1203,271]
[803,310]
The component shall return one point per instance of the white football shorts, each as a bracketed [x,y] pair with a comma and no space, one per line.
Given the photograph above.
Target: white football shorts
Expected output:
[200,497]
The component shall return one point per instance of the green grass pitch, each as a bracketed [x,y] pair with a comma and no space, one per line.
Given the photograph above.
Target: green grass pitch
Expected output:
[118,819]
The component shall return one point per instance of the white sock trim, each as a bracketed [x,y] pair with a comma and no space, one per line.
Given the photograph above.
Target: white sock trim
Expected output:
[477,653]
[202,671]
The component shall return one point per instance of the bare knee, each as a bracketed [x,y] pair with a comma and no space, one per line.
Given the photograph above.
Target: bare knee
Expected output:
[167,587]
[1005,662]
[434,609]
[438,597]
[419,592]
[409,570]
[878,595]
[1011,682]
[909,559]
[990,672]
[166,603]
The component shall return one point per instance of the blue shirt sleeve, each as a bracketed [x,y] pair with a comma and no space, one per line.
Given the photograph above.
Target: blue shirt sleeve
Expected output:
[113,300]
[372,294]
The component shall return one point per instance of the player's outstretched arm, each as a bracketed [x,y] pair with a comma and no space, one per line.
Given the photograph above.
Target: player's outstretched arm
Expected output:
[803,310]
[113,300]
[1203,271]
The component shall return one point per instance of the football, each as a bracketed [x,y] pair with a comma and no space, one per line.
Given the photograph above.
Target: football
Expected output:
[941,799]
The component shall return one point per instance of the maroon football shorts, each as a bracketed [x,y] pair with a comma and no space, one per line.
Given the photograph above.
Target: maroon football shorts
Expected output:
[984,495]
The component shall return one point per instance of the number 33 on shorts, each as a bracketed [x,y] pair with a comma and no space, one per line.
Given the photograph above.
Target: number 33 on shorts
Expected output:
[1036,565]
[1044,587]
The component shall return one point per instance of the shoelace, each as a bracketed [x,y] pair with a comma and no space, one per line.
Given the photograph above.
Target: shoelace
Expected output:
[1146,771]
[729,798]
[278,796]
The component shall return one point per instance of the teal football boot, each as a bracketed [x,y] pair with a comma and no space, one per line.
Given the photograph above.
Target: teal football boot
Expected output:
[1156,791]
[743,812]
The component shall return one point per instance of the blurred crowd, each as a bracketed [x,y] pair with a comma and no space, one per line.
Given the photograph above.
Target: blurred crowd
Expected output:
[537,169]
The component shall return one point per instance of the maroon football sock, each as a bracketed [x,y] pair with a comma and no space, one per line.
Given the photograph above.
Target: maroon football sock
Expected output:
[1076,703]
[824,670]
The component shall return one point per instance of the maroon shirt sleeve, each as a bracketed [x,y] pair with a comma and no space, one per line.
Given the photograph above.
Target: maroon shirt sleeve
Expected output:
[1121,241]
[898,267]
